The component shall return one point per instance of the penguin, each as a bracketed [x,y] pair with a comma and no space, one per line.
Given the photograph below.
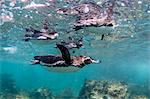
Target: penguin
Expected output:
[38,35]
[72,43]
[64,62]
[90,14]
[43,34]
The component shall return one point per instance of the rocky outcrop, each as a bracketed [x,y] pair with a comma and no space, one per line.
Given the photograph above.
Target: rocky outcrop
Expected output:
[139,97]
[103,90]
[41,93]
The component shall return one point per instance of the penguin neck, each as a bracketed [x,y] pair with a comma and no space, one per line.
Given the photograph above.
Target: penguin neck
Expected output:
[77,60]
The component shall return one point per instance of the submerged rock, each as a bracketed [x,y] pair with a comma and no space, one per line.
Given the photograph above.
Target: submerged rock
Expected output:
[22,97]
[117,90]
[139,97]
[63,95]
[41,93]
[103,90]
[22,94]
[7,96]
[7,84]
[72,43]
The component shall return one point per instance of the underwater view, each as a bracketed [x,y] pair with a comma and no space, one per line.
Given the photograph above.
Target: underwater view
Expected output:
[75,49]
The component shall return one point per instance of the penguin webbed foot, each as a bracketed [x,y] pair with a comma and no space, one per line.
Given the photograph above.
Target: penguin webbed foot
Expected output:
[27,35]
[28,30]
[35,62]
[102,38]
[26,39]
[96,61]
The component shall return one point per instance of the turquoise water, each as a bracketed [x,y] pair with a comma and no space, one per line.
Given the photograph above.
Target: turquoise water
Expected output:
[124,59]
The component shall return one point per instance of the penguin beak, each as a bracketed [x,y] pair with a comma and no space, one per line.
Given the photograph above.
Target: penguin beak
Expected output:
[96,61]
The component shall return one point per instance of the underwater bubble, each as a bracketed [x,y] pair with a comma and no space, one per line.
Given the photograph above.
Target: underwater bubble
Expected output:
[122,4]
[148,11]
[31,17]
[26,16]
[99,2]
[12,4]
[139,2]
[36,12]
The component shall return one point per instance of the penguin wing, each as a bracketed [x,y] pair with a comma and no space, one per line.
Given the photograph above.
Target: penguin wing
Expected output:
[65,53]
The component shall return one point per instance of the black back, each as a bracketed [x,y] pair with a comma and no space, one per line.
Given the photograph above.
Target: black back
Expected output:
[49,59]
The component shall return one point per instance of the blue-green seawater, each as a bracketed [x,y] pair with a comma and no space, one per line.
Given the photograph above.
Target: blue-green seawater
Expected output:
[125,59]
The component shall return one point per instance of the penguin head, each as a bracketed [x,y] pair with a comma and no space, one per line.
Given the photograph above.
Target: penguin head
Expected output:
[89,60]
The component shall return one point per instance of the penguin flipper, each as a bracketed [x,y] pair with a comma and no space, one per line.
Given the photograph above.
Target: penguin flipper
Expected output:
[65,53]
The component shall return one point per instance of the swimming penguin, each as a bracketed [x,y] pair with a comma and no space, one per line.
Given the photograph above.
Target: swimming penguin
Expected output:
[90,14]
[43,34]
[38,35]
[64,62]
[72,43]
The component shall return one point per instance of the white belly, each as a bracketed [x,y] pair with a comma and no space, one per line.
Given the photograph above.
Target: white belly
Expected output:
[63,69]
[41,42]
[49,67]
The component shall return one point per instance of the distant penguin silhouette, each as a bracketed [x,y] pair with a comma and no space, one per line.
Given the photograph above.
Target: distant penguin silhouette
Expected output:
[63,62]
[38,35]
[72,43]
[43,34]
[90,14]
